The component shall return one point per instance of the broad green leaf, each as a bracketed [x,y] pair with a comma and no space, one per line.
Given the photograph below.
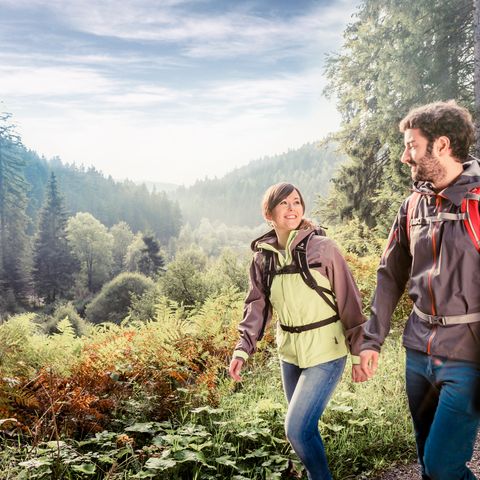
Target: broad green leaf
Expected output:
[36,463]
[207,409]
[225,460]
[189,456]
[160,463]
[86,468]
[148,427]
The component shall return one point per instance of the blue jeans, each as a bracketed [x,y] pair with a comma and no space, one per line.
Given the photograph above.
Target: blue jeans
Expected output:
[441,394]
[308,391]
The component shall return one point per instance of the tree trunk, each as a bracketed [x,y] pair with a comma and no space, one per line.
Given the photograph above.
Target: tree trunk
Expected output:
[477,75]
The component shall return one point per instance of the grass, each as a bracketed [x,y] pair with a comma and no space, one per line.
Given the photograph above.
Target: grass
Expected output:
[366,429]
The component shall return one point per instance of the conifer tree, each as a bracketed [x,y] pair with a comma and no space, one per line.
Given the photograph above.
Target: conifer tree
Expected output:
[14,247]
[396,55]
[151,260]
[54,263]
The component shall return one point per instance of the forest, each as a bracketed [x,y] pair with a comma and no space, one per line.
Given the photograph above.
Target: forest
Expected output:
[119,305]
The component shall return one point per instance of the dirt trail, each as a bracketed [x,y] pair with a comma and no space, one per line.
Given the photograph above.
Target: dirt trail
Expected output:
[412,472]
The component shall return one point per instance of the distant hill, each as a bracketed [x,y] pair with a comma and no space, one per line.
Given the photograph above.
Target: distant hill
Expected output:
[110,201]
[158,186]
[235,198]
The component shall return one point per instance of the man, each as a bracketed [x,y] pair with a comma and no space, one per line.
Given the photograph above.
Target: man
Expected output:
[430,246]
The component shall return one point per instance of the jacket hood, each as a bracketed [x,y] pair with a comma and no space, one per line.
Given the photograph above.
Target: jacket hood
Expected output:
[271,237]
[469,179]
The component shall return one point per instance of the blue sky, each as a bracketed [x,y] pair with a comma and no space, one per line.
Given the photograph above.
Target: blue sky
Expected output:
[168,90]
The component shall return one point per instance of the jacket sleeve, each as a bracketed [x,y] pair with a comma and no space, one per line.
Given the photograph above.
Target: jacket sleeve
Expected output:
[252,325]
[392,276]
[349,301]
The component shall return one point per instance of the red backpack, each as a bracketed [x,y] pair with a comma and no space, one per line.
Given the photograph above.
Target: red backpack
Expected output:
[470,214]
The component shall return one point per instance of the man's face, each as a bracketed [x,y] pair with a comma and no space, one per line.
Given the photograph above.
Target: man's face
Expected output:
[425,164]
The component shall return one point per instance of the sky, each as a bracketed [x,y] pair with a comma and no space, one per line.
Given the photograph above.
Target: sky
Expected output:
[168,90]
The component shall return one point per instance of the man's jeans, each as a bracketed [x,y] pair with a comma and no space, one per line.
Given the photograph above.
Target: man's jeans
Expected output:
[441,394]
[308,391]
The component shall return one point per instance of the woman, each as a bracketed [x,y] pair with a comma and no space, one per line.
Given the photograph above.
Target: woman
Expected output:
[319,322]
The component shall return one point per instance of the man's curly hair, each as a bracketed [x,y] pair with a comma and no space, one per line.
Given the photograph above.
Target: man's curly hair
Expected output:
[443,119]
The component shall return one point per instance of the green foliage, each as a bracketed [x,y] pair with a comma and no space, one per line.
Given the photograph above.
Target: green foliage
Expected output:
[184,281]
[14,245]
[357,238]
[92,245]
[65,311]
[229,270]
[161,389]
[191,277]
[53,264]
[122,238]
[395,55]
[235,199]
[114,300]
[364,271]
[24,348]
[143,255]
[110,201]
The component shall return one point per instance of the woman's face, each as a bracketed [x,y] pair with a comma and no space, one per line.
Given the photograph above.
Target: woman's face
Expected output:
[287,215]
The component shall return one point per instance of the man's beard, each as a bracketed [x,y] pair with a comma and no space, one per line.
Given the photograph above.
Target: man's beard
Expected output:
[428,169]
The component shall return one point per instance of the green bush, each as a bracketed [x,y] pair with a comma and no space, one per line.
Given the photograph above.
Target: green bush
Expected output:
[114,300]
[61,312]
[357,238]
[185,282]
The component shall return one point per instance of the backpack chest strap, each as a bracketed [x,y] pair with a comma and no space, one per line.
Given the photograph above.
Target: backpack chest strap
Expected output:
[440,217]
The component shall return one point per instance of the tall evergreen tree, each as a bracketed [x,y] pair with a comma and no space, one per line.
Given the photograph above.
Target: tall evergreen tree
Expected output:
[151,260]
[396,55]
[14,247]
[54,264]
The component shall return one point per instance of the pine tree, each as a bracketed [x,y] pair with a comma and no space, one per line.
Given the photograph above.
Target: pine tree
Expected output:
[151,260]
[54,263]
[396,55]
[14,247]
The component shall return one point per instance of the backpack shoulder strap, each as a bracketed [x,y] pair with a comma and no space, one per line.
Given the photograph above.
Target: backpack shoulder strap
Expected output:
[411,207]
[268,271]
[267,279]
[300,256]
[470,206]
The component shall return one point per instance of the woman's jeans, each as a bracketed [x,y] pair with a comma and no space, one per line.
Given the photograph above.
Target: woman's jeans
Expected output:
[308,391]
[441,395]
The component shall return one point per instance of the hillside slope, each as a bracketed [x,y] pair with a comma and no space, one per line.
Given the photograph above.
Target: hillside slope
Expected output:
[235,198]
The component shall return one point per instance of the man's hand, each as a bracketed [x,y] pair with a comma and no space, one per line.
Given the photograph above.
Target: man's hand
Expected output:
[358,375]
[369,362]
[235,368]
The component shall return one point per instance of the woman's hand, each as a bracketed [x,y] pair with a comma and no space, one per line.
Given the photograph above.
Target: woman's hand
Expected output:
[358,375]
[235,368]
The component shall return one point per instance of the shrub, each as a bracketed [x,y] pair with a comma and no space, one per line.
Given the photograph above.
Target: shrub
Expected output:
[364,271]
[115,298]
[357,237]
[61,312]
[185,282]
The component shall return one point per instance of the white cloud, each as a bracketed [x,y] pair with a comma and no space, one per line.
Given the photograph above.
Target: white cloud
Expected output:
[209,35]
[152,110]
[51,81]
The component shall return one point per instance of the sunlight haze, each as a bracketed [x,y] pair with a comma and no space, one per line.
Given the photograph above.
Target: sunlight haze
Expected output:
[169,91]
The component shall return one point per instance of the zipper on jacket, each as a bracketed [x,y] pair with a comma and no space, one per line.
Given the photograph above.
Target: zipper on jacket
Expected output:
[438,202]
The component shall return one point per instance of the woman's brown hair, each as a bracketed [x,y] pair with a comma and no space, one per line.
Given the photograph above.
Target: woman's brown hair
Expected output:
[275,194]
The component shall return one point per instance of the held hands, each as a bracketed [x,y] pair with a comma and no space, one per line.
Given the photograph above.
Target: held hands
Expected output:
[358,375]
[369,362]
[235,368]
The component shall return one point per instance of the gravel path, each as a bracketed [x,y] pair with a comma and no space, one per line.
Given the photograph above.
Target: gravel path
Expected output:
[412,472]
